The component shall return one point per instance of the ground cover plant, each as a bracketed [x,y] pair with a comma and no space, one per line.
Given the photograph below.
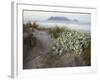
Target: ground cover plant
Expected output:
[46,47]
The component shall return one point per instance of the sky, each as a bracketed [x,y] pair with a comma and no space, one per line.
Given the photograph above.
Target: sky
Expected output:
[41,15]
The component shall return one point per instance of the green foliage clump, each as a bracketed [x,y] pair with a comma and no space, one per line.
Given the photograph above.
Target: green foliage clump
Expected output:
[71,41]
[29,27]
[55,31]
[35,25]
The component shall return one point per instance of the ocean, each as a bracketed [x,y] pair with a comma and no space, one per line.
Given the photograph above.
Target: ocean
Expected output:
[77,26]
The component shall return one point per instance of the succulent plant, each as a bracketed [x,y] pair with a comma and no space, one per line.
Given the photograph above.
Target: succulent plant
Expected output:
[70,40]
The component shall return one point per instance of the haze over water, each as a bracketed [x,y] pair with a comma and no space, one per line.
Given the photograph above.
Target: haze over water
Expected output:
[50,19]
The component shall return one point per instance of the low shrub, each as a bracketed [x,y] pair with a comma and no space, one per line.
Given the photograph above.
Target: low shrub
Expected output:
[71,41]
[55,31]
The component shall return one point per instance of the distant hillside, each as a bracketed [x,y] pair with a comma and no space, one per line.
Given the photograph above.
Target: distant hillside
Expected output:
[59,18]
[75,20]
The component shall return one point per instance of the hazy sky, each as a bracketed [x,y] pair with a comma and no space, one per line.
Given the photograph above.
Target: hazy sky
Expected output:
[40,15]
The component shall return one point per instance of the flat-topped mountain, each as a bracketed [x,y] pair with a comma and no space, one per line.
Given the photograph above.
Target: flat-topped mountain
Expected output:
[58,18]
[75,20]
